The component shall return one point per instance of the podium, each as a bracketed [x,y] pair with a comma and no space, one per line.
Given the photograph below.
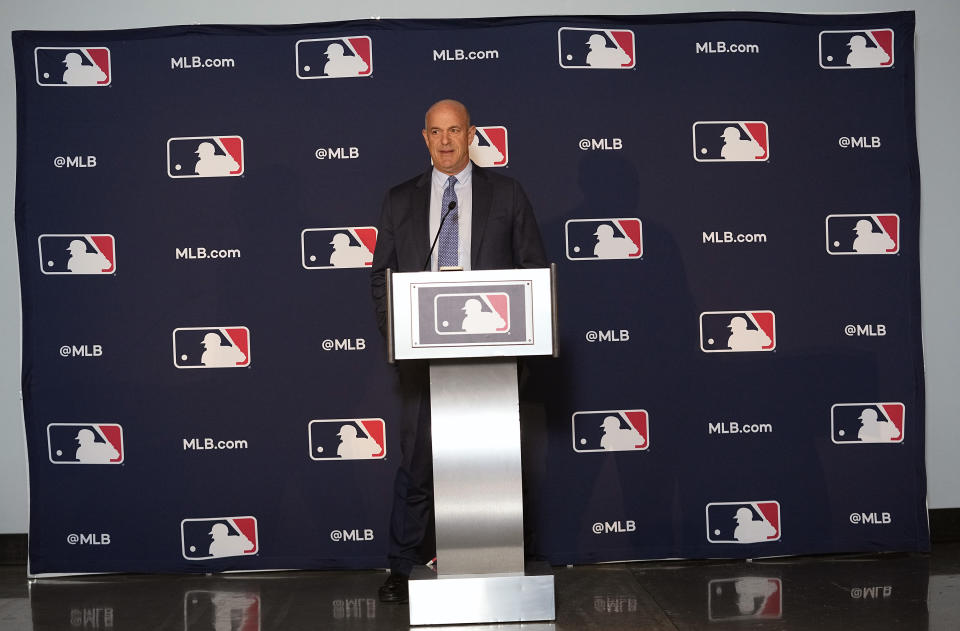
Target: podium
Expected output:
[472,326]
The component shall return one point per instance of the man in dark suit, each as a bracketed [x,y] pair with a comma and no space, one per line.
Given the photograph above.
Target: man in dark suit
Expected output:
[480,220]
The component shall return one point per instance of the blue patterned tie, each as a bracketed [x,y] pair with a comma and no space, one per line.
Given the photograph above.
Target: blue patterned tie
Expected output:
[448,251]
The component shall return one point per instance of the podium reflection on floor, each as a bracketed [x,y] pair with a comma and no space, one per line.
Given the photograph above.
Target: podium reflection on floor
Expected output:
[884,591]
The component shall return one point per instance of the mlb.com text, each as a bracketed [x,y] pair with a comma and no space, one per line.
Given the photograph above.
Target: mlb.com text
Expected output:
[186,63]
[207,253]
[205,444]
[733,427]
[725,48]
[458,54]
[733,237]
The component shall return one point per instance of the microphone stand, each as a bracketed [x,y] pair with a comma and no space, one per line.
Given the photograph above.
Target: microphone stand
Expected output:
[450,208]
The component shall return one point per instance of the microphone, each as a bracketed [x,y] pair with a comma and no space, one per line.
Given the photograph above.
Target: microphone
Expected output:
[450,208]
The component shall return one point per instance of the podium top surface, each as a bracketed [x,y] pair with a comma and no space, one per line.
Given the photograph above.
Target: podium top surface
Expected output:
[484,313]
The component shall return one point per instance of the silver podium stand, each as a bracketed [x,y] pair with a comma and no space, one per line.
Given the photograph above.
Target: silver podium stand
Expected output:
[472,326]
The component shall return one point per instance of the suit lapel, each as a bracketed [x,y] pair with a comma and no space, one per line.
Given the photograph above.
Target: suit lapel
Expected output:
[420,219]
[482,198]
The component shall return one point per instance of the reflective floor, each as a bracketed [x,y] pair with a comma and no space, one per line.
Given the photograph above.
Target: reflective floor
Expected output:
[890,591]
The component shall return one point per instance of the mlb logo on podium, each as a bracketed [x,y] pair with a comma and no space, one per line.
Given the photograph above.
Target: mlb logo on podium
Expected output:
[334,57]
[216,537]
[64,66]
[596,48]
[743,522]
[85,443]
[604,239]
[863,234]
[489,147]
[211,347]
[77,254]
[731,141]
[347,439]
[472,313]
[859,423]
[737,331]
[338,248]
[745,598]
[205,156]
[611,430]
[852,50]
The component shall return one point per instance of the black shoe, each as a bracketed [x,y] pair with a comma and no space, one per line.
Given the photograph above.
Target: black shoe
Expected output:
[394,590]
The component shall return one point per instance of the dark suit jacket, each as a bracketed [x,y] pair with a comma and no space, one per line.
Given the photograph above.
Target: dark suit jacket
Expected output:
[504,232]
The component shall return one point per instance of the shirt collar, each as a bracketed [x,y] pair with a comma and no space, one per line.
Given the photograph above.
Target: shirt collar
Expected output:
[440,178]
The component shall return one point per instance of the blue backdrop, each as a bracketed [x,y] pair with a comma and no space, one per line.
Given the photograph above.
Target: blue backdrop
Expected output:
[732,200]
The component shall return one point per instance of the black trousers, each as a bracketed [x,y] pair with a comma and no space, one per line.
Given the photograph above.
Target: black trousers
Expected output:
[412,539]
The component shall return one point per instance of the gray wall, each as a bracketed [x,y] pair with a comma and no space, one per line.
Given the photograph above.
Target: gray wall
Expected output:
[938,80]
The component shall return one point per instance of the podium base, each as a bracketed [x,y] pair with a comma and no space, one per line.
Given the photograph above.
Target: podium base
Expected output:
[478,598]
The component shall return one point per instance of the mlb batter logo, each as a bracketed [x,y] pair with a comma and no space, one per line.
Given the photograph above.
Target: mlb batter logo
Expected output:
[863,234]
[85,443]
[205,156]
[77,254]
[611,430]
[463,313]
[489,147]
[731,141]
[335,57]
[858,423]
[472,313]
[737,331]
[337,248]
[347,439]
[211,347]
[604,239]
[743,522]
[72,67]
[217,537]
[745,598]
[596,48]
[850,50]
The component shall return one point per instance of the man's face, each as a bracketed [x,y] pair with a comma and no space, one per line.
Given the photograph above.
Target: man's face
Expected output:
[448,136]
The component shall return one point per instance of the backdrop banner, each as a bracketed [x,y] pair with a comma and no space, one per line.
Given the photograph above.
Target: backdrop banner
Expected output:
[732,200]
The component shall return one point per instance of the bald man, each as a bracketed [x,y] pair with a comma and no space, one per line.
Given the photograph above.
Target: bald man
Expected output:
[496,229]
